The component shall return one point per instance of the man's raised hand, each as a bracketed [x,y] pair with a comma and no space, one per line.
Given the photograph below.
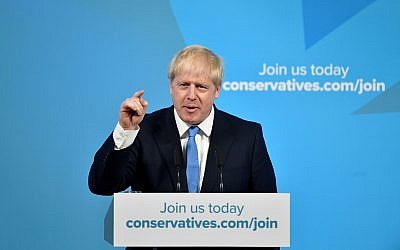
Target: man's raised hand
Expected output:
[132,111]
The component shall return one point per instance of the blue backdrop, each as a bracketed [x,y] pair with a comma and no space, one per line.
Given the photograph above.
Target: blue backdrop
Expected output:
[65,67]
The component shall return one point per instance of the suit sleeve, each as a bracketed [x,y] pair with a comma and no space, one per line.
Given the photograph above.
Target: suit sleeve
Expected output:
[112,170]
[263,176]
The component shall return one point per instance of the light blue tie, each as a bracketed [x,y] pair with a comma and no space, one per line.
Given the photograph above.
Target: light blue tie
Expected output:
[192,161]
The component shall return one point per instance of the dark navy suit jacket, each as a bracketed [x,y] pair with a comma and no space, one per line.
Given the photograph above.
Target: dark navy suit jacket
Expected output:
[151,163]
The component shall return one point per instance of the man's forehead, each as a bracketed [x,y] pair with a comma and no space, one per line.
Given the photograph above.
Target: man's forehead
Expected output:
[192,77]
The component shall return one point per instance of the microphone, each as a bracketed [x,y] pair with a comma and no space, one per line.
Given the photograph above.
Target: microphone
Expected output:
[220,165]
[178,168]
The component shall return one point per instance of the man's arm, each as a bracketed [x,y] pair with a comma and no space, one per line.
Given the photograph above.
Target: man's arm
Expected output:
[113,168]
[263,176]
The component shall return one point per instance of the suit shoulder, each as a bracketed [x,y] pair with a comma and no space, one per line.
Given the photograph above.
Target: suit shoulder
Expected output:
[237,121]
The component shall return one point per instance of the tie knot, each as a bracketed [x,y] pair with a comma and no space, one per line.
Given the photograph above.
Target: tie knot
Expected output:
[193,131]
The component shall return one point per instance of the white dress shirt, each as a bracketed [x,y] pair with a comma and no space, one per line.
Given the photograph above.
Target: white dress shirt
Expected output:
[125,138]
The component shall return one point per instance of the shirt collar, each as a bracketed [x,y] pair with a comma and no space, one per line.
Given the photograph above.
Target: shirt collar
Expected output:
[205,126]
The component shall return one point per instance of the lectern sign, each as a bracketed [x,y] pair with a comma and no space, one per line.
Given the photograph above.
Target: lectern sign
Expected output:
[200,219]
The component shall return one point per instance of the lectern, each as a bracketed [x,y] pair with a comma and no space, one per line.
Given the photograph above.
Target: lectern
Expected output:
[199,219]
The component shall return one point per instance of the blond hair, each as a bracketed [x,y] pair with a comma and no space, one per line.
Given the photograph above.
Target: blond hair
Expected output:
[197,60]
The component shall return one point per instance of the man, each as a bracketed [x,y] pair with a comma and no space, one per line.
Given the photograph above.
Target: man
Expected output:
[190,146]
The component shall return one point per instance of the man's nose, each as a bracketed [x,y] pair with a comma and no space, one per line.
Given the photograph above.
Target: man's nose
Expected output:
[192,92]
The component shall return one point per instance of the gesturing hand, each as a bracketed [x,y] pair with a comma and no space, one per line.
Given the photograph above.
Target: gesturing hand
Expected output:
[132,111]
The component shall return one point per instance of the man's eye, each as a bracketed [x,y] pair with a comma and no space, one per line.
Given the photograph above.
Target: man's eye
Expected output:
[183,84]
[202,87]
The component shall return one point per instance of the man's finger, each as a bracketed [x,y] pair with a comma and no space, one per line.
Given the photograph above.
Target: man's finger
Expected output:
[143,102]
[132,105]
[138,94]
[135,106]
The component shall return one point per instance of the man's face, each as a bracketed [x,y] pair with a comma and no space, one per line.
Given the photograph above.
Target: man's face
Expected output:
[193,97]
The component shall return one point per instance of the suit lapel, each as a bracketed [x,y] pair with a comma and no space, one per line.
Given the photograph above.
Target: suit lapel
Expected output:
[221,140]
[166,136]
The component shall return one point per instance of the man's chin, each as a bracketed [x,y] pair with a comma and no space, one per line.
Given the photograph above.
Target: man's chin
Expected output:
[191,119]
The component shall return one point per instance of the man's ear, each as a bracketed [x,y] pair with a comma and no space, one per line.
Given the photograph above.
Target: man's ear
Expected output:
[170,88]
[218,91]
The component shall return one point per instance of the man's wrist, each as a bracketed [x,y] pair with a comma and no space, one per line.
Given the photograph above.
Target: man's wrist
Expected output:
[123,138]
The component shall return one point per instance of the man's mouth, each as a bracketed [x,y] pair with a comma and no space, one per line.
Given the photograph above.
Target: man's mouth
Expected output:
[190,109]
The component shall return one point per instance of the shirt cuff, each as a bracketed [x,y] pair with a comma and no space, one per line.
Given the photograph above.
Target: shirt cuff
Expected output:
[123,138]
